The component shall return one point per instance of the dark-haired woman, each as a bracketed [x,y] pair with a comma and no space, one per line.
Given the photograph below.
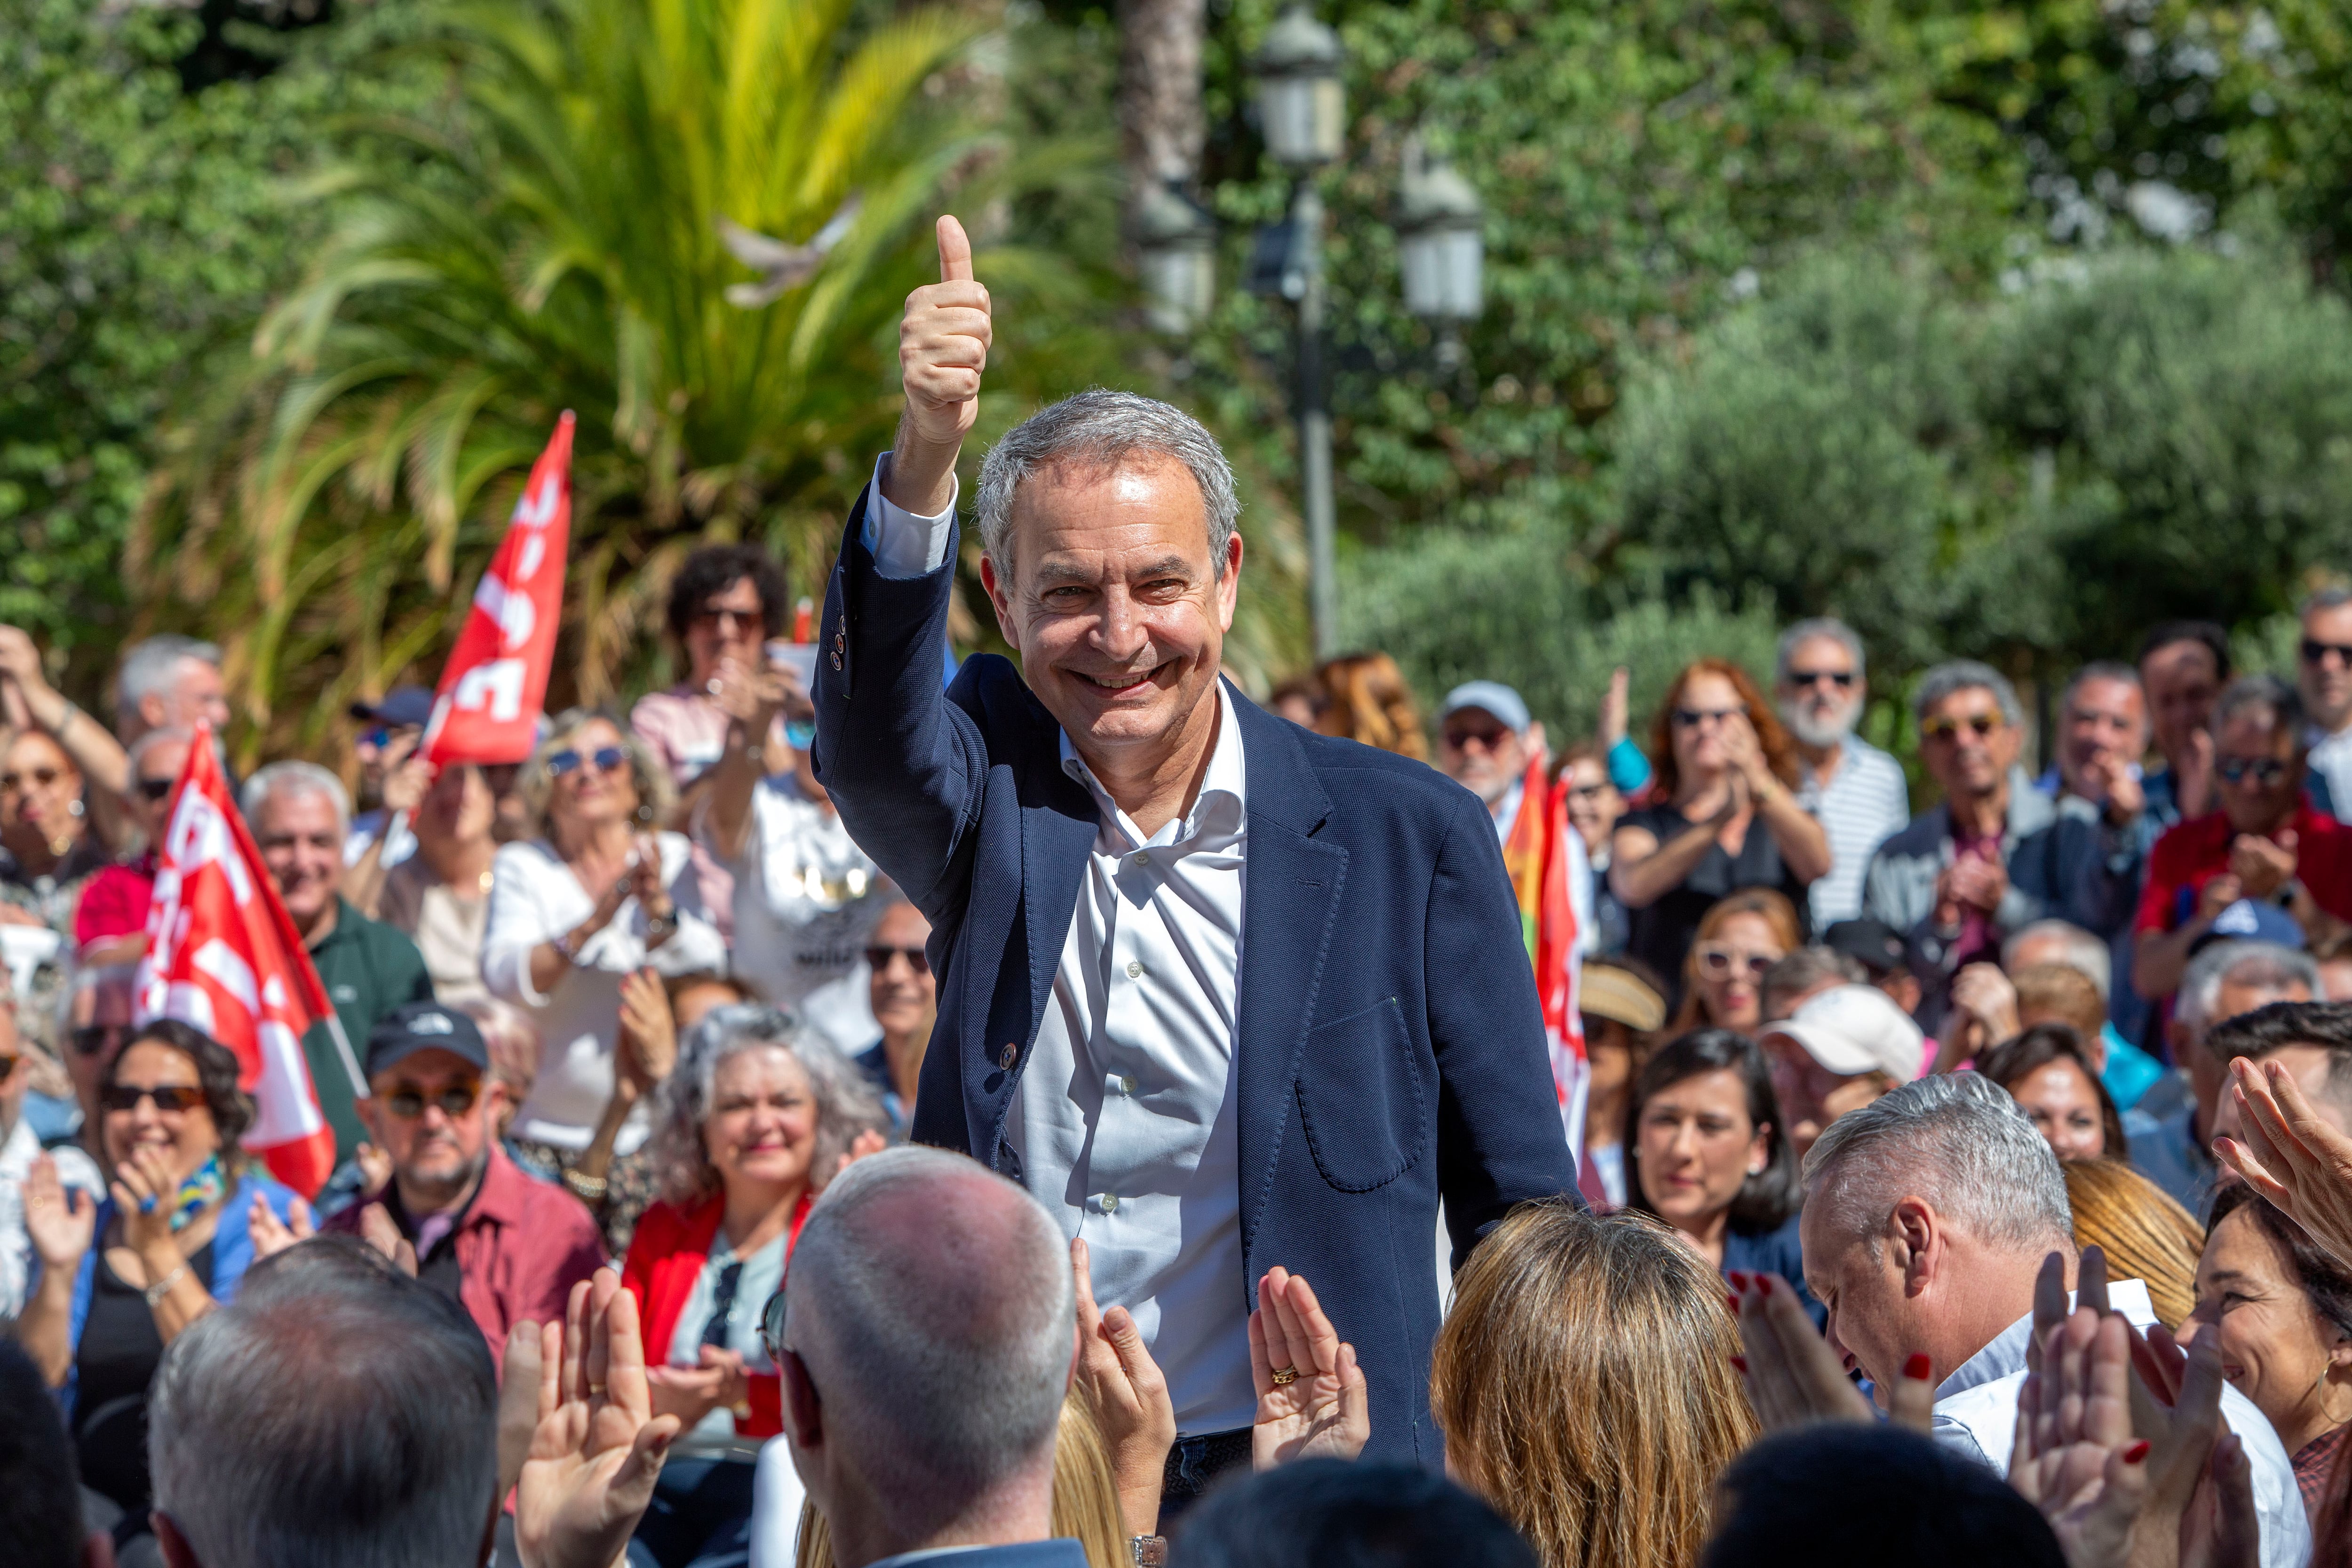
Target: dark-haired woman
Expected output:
[122,1278]
[2283,1307]
[1705,1154]
[2049,1074]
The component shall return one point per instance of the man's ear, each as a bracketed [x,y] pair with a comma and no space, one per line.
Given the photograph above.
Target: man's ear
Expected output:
[1918,1231]
[804,1412]
[1000,596]
[1229,583]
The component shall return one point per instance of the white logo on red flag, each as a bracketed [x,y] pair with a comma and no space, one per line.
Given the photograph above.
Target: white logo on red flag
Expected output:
[222,955]
[495,681]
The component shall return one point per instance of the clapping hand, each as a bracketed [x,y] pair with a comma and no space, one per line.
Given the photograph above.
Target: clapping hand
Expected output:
[272,1236]
[598,1448]
[378,1230]
[146,1193]
[2263,865]
[1323,1409]
[1128,1396]
[1795,1379]
[648,1038]
[2290,1154]
[691,1393]
[60,1221]
[2076,1457]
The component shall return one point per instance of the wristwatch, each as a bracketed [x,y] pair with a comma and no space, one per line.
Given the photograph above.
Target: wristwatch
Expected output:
[1148,1551]
[659,927]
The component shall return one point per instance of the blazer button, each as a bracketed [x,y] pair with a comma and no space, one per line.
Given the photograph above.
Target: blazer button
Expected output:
[836,659]
[1006,1058]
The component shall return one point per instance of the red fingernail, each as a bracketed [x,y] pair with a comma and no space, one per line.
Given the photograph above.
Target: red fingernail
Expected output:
[1764,1283]
[1732,1303]
[1739,1364]
[1917,1365]
[1739,1278]
[2136,1452]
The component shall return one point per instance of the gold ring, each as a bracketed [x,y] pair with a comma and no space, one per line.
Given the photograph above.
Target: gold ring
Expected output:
[594,1389]
[1284,1376]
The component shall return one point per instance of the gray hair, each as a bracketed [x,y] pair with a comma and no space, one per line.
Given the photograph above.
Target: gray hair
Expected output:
[2103,669]
[656,790]
[932,1303]
[1828,626]
[1964,675]
[844,1105]
[2267,691]
[1808,967]
[2084,952]
[293,779]
[1957,1140]
[2328,598]
[2266,965]
[169,734]
[1097,430]
[151,668]
[342,1413]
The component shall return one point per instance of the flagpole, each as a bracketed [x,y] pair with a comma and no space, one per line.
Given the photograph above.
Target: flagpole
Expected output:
[344,1044]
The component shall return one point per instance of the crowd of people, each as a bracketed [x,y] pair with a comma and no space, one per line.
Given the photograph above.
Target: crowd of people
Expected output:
[739,1160]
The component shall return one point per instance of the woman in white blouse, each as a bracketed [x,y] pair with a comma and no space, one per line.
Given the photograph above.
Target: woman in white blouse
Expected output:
[596,893]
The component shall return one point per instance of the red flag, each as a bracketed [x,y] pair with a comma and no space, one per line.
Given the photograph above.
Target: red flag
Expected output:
[1537,855]
[222,954]
[495,681]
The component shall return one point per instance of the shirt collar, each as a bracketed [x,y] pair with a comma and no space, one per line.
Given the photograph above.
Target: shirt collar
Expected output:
[2005,1356]
[1221,807]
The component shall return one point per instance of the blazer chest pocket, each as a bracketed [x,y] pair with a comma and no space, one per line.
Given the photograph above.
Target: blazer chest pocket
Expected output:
[1361,1100]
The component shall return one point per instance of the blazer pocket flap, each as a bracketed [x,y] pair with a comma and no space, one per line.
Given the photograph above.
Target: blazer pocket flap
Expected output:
[1361,1099]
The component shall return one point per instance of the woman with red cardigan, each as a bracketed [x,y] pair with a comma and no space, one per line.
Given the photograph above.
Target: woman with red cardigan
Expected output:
[758,1115]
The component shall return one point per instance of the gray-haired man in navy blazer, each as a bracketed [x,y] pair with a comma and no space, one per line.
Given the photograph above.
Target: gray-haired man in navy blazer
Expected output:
[1225,996]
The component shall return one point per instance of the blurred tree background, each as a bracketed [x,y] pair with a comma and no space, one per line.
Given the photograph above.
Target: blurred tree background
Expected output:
[2001,330]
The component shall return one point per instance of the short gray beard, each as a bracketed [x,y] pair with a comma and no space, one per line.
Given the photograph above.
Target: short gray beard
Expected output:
[1817,732]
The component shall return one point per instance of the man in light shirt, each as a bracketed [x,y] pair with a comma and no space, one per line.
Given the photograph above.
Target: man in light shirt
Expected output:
[1928,1216]
[1202,1082]
[1855,790]
[2324,673]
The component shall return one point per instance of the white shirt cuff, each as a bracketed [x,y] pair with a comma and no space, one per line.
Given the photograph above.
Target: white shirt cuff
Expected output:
[904,545]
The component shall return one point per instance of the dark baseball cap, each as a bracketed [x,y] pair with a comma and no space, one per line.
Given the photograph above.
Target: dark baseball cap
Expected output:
[1874,944]
[402,708]
[424,1026]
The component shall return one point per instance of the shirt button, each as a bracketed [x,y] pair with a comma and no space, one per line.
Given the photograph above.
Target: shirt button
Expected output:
[1140,860]
[1006,1058]
[1128,1084]
[1110,1202]
[1134,969]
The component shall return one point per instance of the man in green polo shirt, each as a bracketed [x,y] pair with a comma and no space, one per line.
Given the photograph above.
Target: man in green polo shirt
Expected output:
[300,815]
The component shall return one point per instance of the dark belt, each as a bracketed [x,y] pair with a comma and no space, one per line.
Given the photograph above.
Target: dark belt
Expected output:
[1197,1463]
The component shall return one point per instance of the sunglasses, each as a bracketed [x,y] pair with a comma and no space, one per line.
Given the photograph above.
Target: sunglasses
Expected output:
[92,1039]
[1692,718]
[42,778]
[1588,792]
[1459,737]
[155,792]
[171,1099]
[772,1327]
[878,958]
[711,616]
[1943,727]
[2266,771]
[408,1104]
[1841,679]
[605,759]
[1717,962]
[2316,652]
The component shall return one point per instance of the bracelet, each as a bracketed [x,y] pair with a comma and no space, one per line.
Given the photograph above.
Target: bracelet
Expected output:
[66,718]
[162,1287]
[659,928]
[566,950]
[587,1189]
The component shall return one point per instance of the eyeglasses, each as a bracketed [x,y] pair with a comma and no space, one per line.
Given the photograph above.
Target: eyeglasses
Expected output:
[1717,962]
[711,616]
[171,1099]
[1459,736]
[1588,792]
[1692,718]
[606,759]
[155,792]
[13,782]
[771,1326]
[90,1039]
[1944,727]
[408,1104]
[1841,679]
[2266,771]
[2315,652]
[878,958]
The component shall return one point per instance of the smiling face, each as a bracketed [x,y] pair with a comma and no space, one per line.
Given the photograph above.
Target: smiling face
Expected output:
[904,992]
[2324,664]
[1703,712]
[1480,753]
[1728,968]
[187,1135]
[1698,1148]
[301,842]
[2064,1105]
[436,1151]
[1966,742]
[761,1125]
[2182,680]
[40,793]
[2276,1349]
[2267,763]
[1594,803]
[2106,720]
[591,794]
[1114,607]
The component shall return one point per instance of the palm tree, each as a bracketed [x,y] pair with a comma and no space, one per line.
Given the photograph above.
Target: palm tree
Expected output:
[575,237]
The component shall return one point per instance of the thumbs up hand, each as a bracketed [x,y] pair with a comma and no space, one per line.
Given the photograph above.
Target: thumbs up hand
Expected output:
[942,348]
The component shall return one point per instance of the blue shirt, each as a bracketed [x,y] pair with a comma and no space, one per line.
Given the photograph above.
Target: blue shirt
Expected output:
[1774,1252]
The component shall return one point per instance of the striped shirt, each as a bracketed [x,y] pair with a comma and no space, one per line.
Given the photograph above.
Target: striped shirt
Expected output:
[1865,800]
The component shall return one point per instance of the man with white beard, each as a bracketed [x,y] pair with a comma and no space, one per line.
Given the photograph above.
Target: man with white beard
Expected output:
[1854,790]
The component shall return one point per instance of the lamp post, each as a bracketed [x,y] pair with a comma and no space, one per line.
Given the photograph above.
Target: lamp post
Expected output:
[1302,114]
[1444,250]
[1178,242]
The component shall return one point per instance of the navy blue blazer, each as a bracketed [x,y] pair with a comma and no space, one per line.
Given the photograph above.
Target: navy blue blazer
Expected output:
[1387,1044]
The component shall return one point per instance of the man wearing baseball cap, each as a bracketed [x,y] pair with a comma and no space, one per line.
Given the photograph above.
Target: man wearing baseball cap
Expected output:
[1484,740]
[506,1246]
[390,729]
[1879,948]
[1840,1050]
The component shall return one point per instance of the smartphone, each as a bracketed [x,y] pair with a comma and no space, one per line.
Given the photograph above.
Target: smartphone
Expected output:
[798,656]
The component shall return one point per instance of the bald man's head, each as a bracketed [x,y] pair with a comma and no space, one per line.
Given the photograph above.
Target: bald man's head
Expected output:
[931,1302]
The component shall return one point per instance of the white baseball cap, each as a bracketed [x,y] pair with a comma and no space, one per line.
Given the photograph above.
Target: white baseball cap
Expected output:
[1854,1029]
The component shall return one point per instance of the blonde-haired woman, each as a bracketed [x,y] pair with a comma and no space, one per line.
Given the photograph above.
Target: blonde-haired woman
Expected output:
[596,892]
[1584,1385]
[2145,1235]
[1367,699]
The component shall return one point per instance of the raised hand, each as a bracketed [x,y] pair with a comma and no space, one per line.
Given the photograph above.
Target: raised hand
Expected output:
[377,1229]
[1614,704]
[145,1193]
[2076,1457]
[375,1170]
[519,1378]
[1795,1379]
[58,1220]
[942,348]
[1324,1410]
[598,1448]
[1129,1399]
[2291,1155]
[271,1235]
[648,1039]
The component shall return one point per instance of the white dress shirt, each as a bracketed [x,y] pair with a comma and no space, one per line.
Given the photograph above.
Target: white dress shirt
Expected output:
[18,1152]
[534,897]
[1976,1414]
[1124,1121]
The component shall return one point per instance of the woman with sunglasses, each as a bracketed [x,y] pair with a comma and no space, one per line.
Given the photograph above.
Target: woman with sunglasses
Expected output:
[48,850]
[120,1280]
[1727,815]
[758,1117]
[595,895]
[1736,942]
[906,998]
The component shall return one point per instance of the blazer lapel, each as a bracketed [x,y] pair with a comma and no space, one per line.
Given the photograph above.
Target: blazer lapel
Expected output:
[1290,901]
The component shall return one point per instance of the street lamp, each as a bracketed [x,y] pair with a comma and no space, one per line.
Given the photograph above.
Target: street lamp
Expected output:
[1444,249]
[1303,113]
[1177,240]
